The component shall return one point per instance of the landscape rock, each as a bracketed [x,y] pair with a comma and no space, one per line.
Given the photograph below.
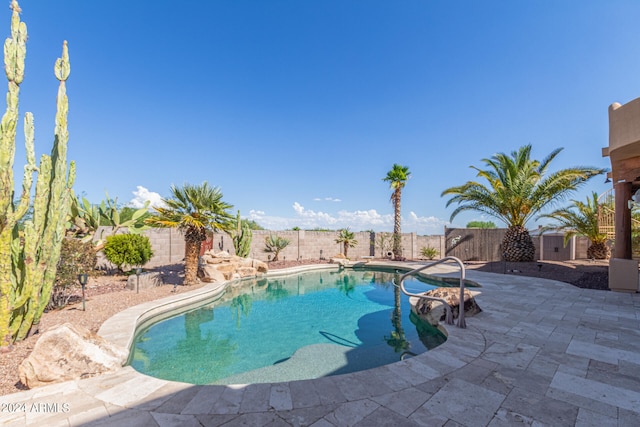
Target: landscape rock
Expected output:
[147,280]
[260,266]
[221,266]
[208,274]
[69,352]
[435,311]
[246,272]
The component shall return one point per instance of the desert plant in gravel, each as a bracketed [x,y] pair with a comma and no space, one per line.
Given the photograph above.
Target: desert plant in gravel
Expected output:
[128,250]
[76,257]
[428,252]
[29,258]
[275,244]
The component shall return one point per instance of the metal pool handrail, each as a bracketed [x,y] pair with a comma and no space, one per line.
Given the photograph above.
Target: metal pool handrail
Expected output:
[449,316]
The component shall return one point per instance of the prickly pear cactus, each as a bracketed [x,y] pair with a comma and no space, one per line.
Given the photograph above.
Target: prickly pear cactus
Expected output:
[241,237]
[29,254]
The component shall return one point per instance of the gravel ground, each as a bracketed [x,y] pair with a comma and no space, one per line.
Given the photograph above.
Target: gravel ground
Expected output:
[107,295]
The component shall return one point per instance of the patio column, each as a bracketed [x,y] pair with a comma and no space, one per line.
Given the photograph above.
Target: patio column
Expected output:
[622,247]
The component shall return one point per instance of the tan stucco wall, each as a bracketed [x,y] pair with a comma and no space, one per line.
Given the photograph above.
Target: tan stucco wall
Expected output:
[624,126]
[624,140]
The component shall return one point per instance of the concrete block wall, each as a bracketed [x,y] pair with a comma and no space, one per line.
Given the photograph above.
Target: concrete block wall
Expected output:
[168,245]
[308,244]
[433,241]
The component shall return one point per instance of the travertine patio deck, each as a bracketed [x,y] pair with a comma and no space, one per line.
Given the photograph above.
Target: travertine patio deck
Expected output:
[541,353]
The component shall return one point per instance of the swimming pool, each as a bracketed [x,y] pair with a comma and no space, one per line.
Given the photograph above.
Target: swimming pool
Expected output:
[281,329]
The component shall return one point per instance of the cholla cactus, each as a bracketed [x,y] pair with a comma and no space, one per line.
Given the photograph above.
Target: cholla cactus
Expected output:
[242,236]
[28,258]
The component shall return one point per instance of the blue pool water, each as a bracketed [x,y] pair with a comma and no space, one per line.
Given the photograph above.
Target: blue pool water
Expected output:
[281,329]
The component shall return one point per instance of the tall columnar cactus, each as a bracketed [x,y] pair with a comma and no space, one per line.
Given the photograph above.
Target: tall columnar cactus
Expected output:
[28,258]
[242,236]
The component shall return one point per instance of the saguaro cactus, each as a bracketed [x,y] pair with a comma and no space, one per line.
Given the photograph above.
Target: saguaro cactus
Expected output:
[29,257]
[241,236]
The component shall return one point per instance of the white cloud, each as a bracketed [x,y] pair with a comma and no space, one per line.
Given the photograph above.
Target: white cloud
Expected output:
[355,220]
[142,195]
[312,216]
[425,224]
[270,222]
[326,199]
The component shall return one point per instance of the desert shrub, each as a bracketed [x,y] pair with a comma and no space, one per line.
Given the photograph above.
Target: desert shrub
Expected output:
[128,250]
[429,252]
[76,258]
[275,244]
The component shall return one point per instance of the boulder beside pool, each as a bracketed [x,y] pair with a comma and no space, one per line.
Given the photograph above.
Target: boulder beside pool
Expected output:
[69,352]
[434,311]
[221,266]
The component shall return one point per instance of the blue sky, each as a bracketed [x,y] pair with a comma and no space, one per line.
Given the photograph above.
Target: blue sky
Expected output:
[298,109]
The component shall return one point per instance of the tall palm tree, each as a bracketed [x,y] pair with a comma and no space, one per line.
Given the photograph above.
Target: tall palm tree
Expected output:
[397,339]
[347,238]
[397,178]
[193,209]
[518,189]
[581,218]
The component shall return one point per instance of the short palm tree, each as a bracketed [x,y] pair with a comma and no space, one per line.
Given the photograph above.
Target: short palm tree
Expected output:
[347,238]
[518,189]
[275,244]
[581,219]
[397,178]
[193,209]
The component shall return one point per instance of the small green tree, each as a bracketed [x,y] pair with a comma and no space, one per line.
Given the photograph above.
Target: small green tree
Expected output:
[428,252]
[481,224]
[347,238]
[275,244]
[128,250]
[252,224]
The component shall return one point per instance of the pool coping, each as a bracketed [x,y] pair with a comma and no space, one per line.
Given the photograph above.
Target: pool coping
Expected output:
[461,347]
